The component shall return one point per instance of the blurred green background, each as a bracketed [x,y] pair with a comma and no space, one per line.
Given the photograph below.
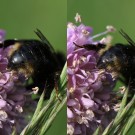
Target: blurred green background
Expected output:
[21,17]
[100,13]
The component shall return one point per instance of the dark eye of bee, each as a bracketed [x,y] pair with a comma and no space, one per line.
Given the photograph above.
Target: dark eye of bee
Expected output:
[16,60]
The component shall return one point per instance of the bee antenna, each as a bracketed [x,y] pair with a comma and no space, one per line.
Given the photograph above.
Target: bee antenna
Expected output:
[41,36]
[130,41]
[44,40]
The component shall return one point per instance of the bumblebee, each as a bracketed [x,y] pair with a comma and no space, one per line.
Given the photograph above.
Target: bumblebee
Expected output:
[119,59]
[36,59]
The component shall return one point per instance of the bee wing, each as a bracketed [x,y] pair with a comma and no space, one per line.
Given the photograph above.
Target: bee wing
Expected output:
[45,41]
[130,41]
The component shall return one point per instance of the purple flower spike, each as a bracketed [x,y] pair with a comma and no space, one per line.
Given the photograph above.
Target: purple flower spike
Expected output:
[89,88]
[78,34]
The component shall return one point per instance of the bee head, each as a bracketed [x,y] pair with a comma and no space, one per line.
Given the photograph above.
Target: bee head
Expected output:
[104,60]
[110,60]
[20,65]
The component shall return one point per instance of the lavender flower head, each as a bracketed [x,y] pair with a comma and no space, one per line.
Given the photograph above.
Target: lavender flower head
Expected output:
[89,88]
[12,96]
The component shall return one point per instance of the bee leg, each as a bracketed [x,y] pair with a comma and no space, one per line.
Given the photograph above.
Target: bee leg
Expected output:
[95,47]
[56,82]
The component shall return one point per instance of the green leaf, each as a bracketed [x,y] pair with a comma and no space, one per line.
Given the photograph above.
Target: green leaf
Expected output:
[123,103]
[97,132]
[106,131]
[14,131]
[129,123]
[51,118]
[120,121]
[39,106]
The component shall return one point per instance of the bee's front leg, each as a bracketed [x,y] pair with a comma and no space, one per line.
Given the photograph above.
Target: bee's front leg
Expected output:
[56,84]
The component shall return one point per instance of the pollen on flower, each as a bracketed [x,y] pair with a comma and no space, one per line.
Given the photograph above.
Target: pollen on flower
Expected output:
[90,114]
[71,25]
[110,28]
[19,108]
[106,40]
[70,129]
[74,63]
[109,68]
[83,58]
[101,71]
[85,32]
[106,107]
[35,90]
[122,89]
[114,75]
[78,18]
[3,115]
[88,73]
[71,90]
[116,107]
[78,61]
[83,120]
